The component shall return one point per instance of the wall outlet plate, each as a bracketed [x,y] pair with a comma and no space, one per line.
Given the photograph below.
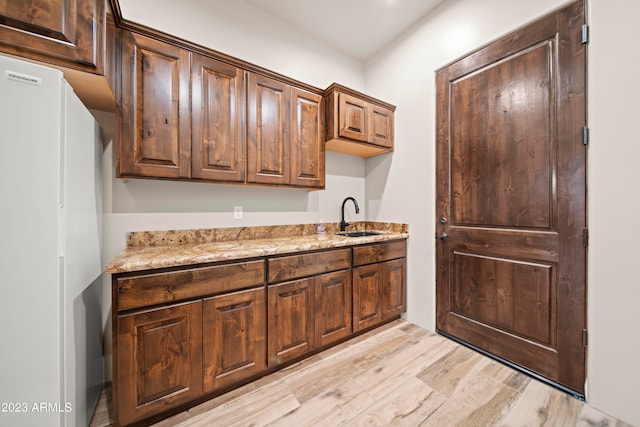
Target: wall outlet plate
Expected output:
[237,212]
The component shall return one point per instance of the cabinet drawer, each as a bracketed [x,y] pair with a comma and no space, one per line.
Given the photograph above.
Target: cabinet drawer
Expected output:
[379,252]
[296,266]
[139,291]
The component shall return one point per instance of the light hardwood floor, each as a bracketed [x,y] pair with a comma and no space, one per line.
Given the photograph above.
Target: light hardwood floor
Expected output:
[396,375]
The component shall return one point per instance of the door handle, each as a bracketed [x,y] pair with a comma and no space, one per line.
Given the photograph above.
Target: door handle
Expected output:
[442,236]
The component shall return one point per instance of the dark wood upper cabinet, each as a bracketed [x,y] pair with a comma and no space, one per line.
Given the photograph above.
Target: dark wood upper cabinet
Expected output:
[268,136]
[189,116]
[64,32]
[218,117]
[381,126]
[357,123]
[307,139]
[353,115]
[154,114]
[76,36]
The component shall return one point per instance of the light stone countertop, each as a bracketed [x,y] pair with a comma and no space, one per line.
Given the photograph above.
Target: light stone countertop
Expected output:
[189,247]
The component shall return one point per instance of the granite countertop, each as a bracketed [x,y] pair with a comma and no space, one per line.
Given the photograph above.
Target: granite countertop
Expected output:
[161,249]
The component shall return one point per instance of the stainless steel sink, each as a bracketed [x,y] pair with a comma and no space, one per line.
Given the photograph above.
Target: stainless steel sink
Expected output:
[358,233]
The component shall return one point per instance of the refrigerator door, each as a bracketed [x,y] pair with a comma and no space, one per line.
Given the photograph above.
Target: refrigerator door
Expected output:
[30,311]
[45,272]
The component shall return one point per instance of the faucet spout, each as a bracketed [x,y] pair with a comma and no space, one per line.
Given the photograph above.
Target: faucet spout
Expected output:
[343,223]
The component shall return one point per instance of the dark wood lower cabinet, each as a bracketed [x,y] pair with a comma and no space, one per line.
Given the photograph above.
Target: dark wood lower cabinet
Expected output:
[239,320]
[367,296]
[290,320]
[308,313]
[159,360]
[379,289]
[394,289]
[333,313]
[234,338]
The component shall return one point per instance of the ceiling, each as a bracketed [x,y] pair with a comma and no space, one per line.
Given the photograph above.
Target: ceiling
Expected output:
[358,28]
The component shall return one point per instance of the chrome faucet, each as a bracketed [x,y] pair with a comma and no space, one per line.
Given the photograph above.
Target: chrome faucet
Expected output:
[344,224]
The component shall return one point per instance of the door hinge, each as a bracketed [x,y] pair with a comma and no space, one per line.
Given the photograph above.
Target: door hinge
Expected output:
[585,338]
[585,236]
[585,135]
[585,34]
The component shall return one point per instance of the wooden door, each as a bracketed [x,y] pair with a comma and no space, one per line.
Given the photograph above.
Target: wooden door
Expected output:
[64,32]
[154,113]
[367,296]
[332,307]
[234,338]
[290,322]
[511,198]
[394,295]
[218,147]
[353,118]
[307,139]
[269,117]
[158,360]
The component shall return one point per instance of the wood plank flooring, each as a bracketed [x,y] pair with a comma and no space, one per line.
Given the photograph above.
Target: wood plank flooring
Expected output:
[396,375]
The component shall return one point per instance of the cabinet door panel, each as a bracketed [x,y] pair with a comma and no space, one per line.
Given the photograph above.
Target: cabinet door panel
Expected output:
[218,141]
[394,298]
[353,118]
[158,360]
[367,295]
[307,144]
[333,306]
[290,320]
[66,32]
[234,338]
[381,126]
[154,113]
[269,117]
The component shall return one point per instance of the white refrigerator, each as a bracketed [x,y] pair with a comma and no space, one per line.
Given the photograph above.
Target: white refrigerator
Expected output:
[51,367]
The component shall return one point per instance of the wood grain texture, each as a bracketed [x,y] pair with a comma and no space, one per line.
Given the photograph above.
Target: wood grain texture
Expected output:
[356,123]
[218,141]
[291,320]
[398,374]
[154,115]
[69,33]
[510,172]
[234,332]
[353,118]
[367,254]
[307,139]
[381,126]
[296,266]
[333,315]
[155,288]
[163,363]
[268,130]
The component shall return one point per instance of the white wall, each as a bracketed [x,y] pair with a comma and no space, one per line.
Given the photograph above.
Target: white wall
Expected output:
[614,203]
[401,187]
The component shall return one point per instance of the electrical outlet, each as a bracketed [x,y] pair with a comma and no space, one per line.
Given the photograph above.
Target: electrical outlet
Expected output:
[237,212]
